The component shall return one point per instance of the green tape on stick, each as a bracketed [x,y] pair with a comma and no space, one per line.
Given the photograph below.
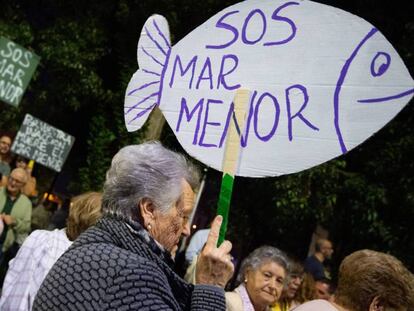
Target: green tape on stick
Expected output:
[223,206]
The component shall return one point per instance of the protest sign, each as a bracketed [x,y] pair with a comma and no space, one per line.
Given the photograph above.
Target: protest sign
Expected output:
[43,143]
[17,66]
[321,79]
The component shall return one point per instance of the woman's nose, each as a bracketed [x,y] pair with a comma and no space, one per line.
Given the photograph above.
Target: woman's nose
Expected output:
[186,229]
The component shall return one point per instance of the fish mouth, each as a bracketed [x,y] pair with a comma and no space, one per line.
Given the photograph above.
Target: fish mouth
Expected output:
[387,98]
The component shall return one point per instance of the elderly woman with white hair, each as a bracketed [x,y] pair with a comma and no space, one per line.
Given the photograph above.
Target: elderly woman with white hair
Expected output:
[262,277]
[125,262]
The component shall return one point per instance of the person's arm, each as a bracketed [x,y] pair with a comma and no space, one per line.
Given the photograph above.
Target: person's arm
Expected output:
[21,221]
[145,284]
[17,283]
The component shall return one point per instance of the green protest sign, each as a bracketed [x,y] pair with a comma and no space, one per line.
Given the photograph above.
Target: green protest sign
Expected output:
[43,143]
[17,66]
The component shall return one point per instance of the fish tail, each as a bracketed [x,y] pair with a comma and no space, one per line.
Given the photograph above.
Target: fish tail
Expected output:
[143,93]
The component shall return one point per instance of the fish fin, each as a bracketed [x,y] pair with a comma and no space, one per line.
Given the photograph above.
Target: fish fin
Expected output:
[144,89]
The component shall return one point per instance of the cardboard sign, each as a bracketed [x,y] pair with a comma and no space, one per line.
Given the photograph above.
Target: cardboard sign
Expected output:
[43,143]
[321,80]
[17,66]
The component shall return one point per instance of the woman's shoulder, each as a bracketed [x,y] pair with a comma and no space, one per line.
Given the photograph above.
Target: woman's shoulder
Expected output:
[233,301]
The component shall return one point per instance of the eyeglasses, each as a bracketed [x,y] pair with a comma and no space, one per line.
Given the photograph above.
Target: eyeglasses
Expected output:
[17,181]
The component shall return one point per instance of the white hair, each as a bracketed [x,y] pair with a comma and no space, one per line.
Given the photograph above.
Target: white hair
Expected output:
[261,256]
[146,171]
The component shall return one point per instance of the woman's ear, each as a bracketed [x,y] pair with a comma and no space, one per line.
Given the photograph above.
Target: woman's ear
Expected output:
[376,304]
[147,208]
[246,275]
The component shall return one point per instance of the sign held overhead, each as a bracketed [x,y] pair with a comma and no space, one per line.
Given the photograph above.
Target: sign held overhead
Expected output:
[322,81]
[43,143]
[17,66]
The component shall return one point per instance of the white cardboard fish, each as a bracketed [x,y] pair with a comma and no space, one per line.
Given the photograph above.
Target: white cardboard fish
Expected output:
[321,82]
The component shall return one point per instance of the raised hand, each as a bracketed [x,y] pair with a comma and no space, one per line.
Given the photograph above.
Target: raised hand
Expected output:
[214,265]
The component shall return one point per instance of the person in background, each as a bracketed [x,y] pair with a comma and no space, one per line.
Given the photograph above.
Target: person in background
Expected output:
[5,158]
[299,288]
[369,281]
[30,188]
[324,289]
[59,217]
[124,262]
[314,264]
[42,214]
[262,277]
[41,250]
[15,211]
[196,245]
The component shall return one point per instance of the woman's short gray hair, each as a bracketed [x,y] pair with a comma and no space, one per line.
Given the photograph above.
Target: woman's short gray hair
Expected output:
[147,171]
[261,256]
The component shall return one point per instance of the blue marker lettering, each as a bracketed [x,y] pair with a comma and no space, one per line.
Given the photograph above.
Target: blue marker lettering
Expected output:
[209,77]
[206,122]
[189,115]
[256,116]
[183,71]
[298,114]
[222,74]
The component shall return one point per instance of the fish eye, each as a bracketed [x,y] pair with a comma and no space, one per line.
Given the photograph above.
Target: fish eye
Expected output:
[380,64]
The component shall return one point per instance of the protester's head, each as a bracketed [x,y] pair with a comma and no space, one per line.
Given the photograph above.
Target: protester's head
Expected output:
[22,162]
[84,211]
[294,279]
[5,144]
[154,186]
[324,247]
[324,289]
[370,280]
[16,181]
[264,273]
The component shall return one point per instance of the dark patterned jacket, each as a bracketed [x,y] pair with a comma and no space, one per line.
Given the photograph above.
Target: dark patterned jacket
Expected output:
[117,266]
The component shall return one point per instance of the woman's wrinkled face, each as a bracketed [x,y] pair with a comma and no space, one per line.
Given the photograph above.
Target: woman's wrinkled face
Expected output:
[264,285]
[170,226]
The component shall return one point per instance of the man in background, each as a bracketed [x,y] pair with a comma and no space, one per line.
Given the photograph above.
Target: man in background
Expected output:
[15,212]
[5,158]
[324,289]
[314,264]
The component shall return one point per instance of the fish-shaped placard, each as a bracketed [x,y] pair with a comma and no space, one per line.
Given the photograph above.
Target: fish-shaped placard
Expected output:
[321,82]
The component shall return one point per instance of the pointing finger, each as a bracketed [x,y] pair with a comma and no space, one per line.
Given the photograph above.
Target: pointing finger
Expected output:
[214,232]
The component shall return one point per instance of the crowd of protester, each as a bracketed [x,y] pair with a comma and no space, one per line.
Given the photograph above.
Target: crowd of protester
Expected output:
[115,251]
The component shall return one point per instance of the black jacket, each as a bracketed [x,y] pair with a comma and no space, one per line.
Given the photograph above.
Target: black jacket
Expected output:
[117,266]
